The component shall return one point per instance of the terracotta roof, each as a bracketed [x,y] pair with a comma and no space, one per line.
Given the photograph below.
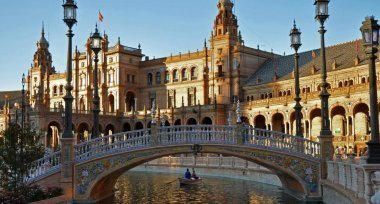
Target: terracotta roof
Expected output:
[342,54]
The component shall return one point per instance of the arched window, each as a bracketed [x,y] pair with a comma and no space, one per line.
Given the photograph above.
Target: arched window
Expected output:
[175,75]
[158,77]
[351,82]
[194,73]
[363,80]
[280,94]
[247,98]
[150,79]
[184,74]
[55,90]
[167,77]
[61,90]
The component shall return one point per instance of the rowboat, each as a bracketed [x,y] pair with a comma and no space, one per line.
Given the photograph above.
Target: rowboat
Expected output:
[192,181]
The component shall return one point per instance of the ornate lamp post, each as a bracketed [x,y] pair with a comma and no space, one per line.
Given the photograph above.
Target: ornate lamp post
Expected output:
[325,138]
[96,40]
[23,102]
[70,19]
[370,32]
[67,140]
[321,15]
[295,40]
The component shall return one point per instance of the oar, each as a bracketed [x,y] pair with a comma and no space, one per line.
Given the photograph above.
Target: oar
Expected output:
[171,181]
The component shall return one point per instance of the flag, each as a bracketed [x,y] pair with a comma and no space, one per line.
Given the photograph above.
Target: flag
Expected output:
[313,55]
[100,17]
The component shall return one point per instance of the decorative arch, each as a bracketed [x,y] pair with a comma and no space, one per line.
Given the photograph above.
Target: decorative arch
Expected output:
[207,121]
[52,137]
[338,120]
[158,77]
[191,121]
[194,73]
[361,118]
[111,103]
[315,122]
[83,132]
[126,127]
[139,125]
[110,129]
[177,122]
[184,74]
[259,121]
[278,122]
[245,120]
[175,75]
[292,119]
[130,101]
[149,79]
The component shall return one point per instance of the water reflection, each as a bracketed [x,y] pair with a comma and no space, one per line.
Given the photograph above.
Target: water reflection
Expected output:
[142,187]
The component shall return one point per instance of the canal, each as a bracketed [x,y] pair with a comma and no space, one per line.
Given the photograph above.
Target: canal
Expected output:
[147,187]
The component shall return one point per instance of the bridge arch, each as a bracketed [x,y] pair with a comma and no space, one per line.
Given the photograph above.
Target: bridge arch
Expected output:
[96,179]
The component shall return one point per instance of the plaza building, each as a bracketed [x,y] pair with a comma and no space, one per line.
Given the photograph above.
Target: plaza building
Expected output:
[200,87]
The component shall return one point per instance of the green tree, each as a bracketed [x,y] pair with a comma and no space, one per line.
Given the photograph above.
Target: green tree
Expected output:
[18,149]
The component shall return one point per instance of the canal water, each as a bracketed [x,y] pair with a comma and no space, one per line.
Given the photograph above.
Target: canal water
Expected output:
[147,187]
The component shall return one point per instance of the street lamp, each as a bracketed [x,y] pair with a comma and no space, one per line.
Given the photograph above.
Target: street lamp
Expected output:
[295,43]
[70,19]
[67,139]
[325,137]
[370,32]
[23,82]
[321,15]
[96,40]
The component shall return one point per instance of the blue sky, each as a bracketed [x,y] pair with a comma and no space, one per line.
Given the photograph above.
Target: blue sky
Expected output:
[166,26]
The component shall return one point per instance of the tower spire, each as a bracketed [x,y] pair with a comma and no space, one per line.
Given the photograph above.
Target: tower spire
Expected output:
[43,29]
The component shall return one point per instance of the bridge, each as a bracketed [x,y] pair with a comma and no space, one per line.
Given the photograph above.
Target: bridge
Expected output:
[98,163]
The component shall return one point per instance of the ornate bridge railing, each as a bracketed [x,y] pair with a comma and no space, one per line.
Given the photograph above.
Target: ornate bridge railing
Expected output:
[281,142]
[44,166]
[203,134]
[112,143]
[175,135]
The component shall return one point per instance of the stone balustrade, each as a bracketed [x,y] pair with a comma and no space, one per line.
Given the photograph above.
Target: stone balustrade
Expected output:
[238,135]
[354,178]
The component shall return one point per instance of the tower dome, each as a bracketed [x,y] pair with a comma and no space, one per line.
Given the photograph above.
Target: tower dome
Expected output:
[43,43]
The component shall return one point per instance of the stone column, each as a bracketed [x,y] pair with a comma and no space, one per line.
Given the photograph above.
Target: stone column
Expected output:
[67,169]
[353,126]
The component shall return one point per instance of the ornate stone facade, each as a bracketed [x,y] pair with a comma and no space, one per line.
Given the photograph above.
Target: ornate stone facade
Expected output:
[199,87]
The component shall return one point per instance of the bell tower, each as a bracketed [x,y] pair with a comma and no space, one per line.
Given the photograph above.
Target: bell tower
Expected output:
[39,73]
[224,39]
[226,21]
